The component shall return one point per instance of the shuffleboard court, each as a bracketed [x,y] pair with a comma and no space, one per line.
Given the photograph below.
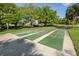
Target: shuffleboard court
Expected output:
[32,31]
[44,31]
[24,32]
[55,40]
[29,31]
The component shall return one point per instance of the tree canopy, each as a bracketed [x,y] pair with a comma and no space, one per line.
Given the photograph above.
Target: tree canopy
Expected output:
[12,14]
[72,12]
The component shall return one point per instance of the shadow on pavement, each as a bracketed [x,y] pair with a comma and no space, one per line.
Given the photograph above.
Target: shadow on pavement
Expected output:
[19,47]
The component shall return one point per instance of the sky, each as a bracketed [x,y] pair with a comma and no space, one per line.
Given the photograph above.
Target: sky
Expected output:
[59,7]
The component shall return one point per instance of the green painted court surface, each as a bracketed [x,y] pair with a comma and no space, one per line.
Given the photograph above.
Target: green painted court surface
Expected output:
[35,36]
[54,40]
[32,30]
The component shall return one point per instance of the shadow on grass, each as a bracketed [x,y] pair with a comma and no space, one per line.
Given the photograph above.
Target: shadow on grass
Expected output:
[19,47]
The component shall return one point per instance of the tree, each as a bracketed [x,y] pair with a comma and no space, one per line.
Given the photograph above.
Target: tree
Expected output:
[30,12]
[72,13]
[1,15]
[8,10]
[17,16]
[54,17]
[44,14]
[47,15]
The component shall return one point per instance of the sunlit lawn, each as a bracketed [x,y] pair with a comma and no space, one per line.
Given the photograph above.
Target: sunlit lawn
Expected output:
[74,34]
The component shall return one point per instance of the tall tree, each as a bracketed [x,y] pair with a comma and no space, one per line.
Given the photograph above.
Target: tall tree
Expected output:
[72,13]
[8,10]
[47,15]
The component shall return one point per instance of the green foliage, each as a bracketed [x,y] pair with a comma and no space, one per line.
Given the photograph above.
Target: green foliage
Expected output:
[72,13]
[44,14]
[7,12]
[12,14]
[47,15]
[64,21]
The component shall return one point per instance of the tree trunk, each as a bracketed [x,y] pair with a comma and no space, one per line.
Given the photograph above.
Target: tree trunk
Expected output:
[72,25]
[73,22]
[7,24]
[45,23]
[16,24]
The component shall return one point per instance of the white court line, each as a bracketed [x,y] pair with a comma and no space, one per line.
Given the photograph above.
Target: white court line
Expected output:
[29,31]
[42,37]
[30,34]
[26,32]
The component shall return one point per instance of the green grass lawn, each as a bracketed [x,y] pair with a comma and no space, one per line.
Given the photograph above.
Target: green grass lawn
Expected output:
[74,34]
[55,40]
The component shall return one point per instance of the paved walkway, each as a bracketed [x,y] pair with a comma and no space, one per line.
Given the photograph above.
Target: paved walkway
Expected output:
[44,36]
[68,46]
